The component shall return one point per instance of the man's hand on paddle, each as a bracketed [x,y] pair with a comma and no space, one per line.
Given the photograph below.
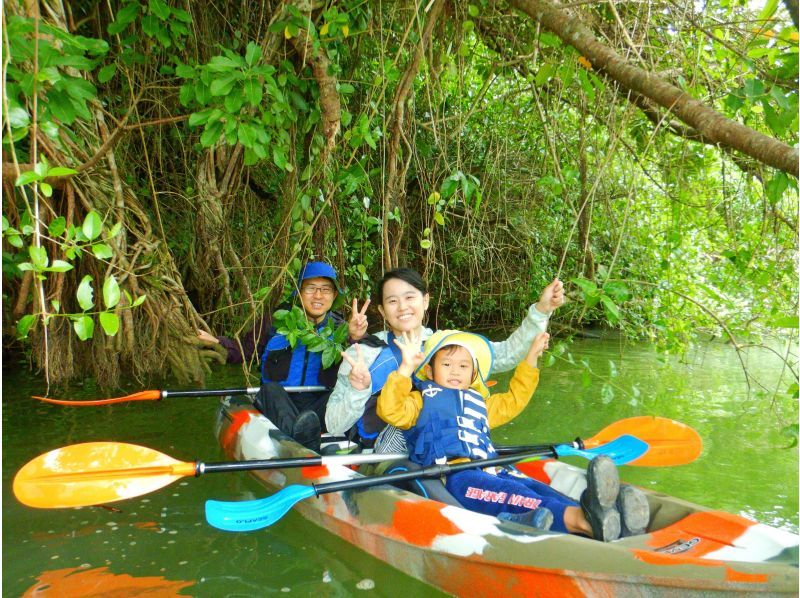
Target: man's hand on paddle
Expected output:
[359,376]
[412,356]
[552,297]
[358,321]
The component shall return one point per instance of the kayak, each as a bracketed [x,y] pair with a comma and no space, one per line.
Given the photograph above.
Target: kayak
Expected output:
[688,549]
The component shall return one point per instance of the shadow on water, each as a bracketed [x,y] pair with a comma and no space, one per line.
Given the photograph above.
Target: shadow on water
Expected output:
[161,541]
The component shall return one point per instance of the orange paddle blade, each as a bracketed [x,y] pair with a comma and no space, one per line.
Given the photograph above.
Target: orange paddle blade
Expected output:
[670,442]
[93,473]
[144,395]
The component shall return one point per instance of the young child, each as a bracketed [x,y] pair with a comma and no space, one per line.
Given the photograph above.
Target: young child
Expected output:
[448,420]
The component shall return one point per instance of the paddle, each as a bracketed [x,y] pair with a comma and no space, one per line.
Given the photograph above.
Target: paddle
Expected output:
[669,442]
[93,473]
[157,395]
[244,516]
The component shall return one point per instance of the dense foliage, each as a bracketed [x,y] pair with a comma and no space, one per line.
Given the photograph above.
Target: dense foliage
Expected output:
[186,157]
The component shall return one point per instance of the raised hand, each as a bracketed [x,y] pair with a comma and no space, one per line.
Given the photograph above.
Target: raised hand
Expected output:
[552,297]
[410,350]
[538,346]
[359,377]
[358,321]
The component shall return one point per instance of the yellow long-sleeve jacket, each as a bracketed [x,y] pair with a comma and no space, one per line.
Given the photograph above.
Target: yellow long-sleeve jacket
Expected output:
[400,405]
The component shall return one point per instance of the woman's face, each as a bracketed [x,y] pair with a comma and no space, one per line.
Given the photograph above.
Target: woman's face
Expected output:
[403,306]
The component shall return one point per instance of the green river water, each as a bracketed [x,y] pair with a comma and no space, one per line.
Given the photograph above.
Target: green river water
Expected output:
[160,545]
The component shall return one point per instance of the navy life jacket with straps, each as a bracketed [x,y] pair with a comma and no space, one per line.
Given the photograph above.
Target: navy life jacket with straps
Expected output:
[452,424]
[299,366]
[388,360]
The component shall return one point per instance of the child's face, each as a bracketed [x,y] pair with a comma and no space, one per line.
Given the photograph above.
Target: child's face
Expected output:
[451,367]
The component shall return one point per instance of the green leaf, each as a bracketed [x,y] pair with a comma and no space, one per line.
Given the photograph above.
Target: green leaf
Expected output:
[253,54]
[617,290]
[110,322]
[85,293]
[211,134]
[39,257]
[785,321]
[425,244]
[223,85]
[111,293]
[279,157]
[253,91]
[610,308]
[160,9]
[587,286]
[449,187]
[92,225]
[60,266]
[84,327]
[26,178]
[46,188]
[105,74]
[61,171]
[139,301]
[57,226]
[775,187]
[438,218]
[24,325]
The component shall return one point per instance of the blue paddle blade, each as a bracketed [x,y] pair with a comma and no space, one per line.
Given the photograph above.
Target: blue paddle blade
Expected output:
[249,515]
[621,450]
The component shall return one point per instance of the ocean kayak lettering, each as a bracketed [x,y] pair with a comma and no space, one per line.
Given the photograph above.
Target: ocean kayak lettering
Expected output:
[500,497]
[679,546]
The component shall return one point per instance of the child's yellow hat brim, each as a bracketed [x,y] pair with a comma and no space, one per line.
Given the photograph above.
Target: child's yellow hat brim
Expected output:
[478,346]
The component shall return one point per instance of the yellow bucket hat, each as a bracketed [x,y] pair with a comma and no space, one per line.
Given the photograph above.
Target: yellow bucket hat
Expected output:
[478,346]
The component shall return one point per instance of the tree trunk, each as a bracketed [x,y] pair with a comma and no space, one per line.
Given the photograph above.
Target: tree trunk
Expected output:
[707,121]
[395,173]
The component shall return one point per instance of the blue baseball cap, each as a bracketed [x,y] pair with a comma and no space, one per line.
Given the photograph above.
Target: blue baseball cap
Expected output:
[317,270]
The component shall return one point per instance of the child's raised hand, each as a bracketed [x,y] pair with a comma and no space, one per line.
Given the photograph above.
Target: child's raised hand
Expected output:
[538,346]
[409,349]
[359,376]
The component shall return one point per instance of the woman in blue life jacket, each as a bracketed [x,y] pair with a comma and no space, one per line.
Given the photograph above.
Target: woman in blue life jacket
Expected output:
[403,302]
[301,415]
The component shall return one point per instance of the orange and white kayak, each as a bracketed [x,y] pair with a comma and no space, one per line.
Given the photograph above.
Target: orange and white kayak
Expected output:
[688,550]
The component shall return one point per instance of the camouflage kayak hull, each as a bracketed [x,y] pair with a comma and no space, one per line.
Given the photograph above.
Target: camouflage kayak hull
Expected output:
[690,550]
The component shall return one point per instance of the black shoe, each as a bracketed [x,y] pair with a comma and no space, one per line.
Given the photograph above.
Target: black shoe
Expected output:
[540,518]
[598,501]
[307,430]
[634,511]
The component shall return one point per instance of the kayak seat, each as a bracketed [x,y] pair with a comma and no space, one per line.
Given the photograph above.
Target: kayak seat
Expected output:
[429,488]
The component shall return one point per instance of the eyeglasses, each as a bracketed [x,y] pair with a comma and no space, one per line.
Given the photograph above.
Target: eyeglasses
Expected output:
[312,290]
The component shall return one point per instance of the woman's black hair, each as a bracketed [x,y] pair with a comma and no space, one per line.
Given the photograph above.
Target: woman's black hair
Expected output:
[408,275]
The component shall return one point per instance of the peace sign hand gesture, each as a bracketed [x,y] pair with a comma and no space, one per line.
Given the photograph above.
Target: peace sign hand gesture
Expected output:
[410,349]
[360,378]
[358,321]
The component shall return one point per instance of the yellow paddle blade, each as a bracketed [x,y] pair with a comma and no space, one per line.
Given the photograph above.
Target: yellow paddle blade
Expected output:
[670,442]
[94,473]
[143,395]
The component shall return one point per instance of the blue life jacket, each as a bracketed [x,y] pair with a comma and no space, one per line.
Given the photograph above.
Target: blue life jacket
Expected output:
[299,366]
[452,424]
[369,425]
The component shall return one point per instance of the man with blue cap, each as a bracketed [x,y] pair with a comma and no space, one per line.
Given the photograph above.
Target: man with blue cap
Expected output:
[299,415]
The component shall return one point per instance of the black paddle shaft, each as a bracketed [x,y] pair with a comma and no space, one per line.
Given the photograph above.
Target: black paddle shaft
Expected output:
[509,449]
[260,464]
[433,471]
[221,392]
